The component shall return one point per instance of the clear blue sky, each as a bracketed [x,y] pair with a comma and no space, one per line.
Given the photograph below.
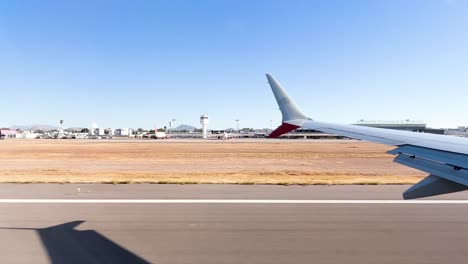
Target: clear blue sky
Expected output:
[136,63]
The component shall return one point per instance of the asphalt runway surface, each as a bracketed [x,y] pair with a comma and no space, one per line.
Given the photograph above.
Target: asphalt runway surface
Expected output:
[40,225]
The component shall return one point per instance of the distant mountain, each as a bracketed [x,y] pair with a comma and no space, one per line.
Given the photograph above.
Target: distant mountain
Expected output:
[34,127]
[185,127]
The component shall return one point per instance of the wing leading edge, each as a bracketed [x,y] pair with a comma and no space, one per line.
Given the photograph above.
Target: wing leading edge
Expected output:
[445,158]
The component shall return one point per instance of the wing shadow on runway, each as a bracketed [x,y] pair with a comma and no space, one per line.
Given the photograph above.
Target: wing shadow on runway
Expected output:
[64,244]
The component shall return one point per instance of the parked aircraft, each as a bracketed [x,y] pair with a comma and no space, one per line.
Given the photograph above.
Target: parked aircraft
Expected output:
[445,158]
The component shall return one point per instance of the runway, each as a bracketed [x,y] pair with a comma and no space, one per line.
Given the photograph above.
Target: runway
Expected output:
[88,223]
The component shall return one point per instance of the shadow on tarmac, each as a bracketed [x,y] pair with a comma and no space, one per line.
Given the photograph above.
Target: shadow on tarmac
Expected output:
[64,244]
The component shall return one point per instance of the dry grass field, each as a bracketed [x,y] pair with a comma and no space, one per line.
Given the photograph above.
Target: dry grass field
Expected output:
[197,161]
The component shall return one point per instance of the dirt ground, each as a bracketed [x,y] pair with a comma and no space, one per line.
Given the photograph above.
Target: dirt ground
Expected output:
[198,161]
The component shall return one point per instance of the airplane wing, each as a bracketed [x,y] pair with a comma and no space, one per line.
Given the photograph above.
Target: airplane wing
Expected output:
[445,158]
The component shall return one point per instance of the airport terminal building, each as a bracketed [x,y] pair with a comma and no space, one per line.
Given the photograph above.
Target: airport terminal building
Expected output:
[7,133]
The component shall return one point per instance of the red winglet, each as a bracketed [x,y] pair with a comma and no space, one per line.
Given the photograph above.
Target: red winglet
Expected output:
[284,128]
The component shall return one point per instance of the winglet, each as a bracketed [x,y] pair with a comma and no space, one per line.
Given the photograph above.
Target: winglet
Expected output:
[288,108]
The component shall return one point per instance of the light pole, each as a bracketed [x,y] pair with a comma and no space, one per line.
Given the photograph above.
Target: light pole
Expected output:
[237,123]
[61,124]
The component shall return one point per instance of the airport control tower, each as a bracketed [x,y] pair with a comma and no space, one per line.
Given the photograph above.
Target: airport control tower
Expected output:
[204,122]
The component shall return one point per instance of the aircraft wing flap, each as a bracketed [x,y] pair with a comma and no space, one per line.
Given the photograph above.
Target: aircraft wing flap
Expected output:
[448,171]
[456,160]
[439,169]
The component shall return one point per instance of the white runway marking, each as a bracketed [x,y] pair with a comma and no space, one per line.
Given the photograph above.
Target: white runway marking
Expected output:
[222,201]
